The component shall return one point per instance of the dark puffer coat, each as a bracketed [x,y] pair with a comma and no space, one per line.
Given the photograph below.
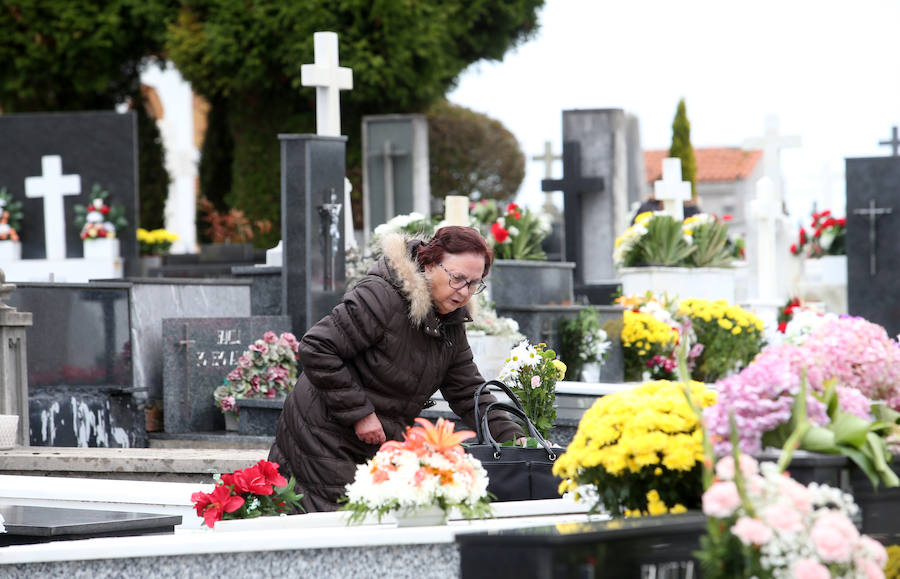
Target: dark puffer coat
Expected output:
[382,350]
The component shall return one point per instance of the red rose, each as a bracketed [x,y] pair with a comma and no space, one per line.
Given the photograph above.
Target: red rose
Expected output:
[270,472]
[794,249]
[500,234]
[511,207]
[782,327]
[105,210]
[802,236]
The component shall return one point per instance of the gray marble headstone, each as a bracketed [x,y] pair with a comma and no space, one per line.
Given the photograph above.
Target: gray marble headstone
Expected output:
[198,353]
[873,240]
[312,218]
[100,147]
[395,171]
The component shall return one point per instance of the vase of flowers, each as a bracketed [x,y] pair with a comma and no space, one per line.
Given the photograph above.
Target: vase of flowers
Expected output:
[420,478]
[531,372]
[638,451]
[824,249]
[153,246]
[513,232]
[267,370]
[491,337]
[10,222]
[584,345]
[100,223]
[257,491]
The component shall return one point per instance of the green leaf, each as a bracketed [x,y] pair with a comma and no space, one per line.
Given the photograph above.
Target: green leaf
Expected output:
[819,439]
[863,462]
[849,429]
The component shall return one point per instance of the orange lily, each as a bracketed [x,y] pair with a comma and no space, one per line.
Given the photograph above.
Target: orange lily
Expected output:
[439,438]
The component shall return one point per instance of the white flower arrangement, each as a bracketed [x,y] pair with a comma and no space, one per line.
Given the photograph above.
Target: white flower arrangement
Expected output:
[428,468]
[804,322]
[595,346]
[486,320]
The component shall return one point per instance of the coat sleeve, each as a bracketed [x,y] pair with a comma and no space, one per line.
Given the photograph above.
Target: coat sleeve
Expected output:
[460,383]
[354,325]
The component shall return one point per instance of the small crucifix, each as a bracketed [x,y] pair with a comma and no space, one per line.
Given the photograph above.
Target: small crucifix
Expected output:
[893,142]
[873,213]
[329,79]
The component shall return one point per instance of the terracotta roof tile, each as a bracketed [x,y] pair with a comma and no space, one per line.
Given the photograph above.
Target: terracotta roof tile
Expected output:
[713,163]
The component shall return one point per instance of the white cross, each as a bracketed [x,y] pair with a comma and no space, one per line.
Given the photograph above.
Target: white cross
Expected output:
[671,190]
[764,209]
[771,144]
[52,186]
[329,79]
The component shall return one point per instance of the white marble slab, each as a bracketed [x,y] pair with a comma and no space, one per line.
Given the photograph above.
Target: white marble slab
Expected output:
[64,270]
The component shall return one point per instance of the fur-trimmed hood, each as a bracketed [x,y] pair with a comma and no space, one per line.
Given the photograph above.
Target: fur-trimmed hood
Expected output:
[399,267]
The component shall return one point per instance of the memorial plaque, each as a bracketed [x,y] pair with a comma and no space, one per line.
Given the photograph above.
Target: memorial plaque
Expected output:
[29,524]
[198,353]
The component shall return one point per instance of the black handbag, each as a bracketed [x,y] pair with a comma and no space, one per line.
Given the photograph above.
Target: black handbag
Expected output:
[514,473]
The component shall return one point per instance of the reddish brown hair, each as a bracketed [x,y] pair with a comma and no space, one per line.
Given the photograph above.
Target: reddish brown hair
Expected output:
[455,239]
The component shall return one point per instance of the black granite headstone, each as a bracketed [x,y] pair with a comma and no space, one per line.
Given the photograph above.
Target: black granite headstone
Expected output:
[198,353]
[312,225]
[30,524]
[873,240]
[100,147]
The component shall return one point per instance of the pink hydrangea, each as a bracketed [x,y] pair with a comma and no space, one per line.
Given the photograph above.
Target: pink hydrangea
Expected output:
[721,500]
[810,569]
[751,531]
[854,402]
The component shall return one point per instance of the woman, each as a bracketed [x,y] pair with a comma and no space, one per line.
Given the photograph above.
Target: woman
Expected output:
[370,366]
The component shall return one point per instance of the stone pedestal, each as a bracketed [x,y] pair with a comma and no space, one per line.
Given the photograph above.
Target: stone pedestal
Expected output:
[519,282]
[13,369]
[258,417]
[709,283]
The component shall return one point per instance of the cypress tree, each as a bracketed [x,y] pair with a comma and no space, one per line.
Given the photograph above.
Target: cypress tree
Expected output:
[682,147]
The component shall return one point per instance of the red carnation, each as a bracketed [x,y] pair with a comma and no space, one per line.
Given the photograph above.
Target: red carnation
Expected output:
[499,232]
[104,209]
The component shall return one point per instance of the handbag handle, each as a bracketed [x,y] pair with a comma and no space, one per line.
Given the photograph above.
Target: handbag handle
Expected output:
[478,430]
[522,416]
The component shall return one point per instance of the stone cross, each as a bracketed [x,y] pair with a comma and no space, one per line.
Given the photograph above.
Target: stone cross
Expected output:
[893,142]
[873,213]
[765,209]
[52,185]
[387,155]
[573,185]
[547,159]
[771,144]
[329,79]
[671,190]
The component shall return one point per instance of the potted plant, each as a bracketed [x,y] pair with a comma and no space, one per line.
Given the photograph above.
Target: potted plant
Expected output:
[153,246]
[420,479]
[531,372]
[266,371]
[491,337]
[584,345]
[10,222]
[693,257]
[824,251]
[100,223]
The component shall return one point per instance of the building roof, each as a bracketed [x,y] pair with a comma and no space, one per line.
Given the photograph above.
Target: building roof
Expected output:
[714,164]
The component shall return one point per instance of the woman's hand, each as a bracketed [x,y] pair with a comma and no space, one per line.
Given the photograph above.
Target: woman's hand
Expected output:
[368,429]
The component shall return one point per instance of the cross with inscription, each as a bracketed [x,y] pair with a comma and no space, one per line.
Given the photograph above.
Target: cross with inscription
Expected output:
[329,79]
[873,213]
[573,185]
[52,185]
[893,142]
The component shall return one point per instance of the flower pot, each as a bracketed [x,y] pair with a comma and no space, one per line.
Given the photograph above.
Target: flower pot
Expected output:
[150,265]
[826,270]
[590,372]
[421,517]
[259,416]
[489,352]
[9,425]
[710,283]
[879,508]
[10,251]
[103,247]
[232,423]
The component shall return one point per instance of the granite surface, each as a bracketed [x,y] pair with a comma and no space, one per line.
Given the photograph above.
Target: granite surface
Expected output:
[439,561]
[265,288]
[258,417]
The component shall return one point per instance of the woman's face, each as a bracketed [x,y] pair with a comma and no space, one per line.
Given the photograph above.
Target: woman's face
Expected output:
[461,267]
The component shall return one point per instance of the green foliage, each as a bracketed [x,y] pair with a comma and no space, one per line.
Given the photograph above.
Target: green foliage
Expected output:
[663,244]
[472,154]
[9,203]
[712,246]
[216,156]
[576,336]
[115,214]
[682,148]
[152,175]
[512,233]
[404,56]
[533,363]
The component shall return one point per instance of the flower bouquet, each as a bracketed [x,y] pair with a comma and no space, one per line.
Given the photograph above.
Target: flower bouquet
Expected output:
[513,233]
[11,215]
[258,491]
[583,342]
[829,237]
[268,369]
[763,524]
[428,468]
[658,239]
[531,372]
[156,242]
[638,451]
[99,219]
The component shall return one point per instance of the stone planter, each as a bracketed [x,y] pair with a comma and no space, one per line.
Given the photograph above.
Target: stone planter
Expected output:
[528,283]
[807,467]
[711,283]
[879,508]
[150,265]
[490,352]
[104,247]
[827,270]
[258,416]
[10,251]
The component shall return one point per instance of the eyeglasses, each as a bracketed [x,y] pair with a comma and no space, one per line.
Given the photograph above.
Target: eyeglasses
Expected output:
[459,283]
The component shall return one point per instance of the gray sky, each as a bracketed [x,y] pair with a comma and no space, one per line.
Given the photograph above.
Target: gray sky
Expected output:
[830,71]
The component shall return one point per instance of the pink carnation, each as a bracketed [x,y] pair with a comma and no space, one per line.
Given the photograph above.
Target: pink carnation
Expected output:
[721,500]
[751,531]
[725,467]
[871,569]
[782,517]
[260,347]
[834,536]
[809,569]
[235,375]
[291,341]
[873,550]
[227,403]
[796,494]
